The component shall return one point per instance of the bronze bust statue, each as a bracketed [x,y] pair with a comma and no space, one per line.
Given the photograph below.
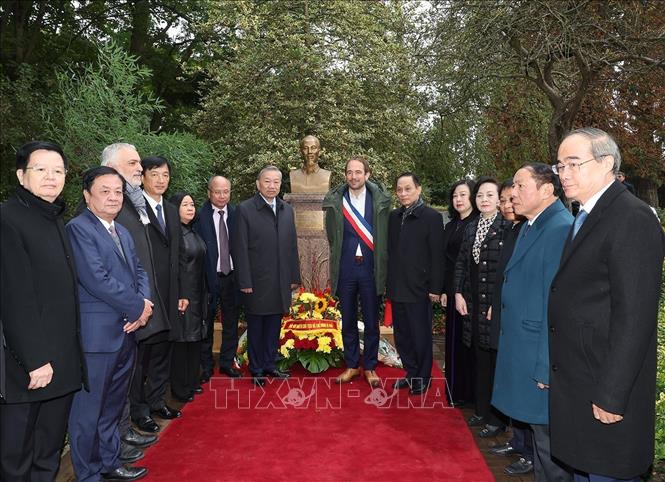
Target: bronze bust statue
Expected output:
[310,178]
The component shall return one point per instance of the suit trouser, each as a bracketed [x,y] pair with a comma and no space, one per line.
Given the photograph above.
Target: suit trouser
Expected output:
[32,435]
[522,439]
[94,437]
[185,368]
[151,376]
[262,342]
[413,336]
[485,363]
[545,468]
[227,298]
[357,280]
[602,478]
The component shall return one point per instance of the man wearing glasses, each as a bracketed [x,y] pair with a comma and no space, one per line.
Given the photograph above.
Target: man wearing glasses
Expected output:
[603,316]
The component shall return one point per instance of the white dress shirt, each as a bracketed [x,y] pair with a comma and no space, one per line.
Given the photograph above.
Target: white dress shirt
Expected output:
[215,221]
[358,202]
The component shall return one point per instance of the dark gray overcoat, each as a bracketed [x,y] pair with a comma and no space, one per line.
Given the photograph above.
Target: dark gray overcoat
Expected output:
[265,255]
[603,314]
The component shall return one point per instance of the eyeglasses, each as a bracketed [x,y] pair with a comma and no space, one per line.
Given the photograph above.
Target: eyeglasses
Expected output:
[55,172]
[559,169]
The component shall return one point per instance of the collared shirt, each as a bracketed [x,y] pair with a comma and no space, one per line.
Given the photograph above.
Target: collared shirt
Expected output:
[105,223]
[215,221]
[358,202]
[591,203]
[153,204]
[273,204]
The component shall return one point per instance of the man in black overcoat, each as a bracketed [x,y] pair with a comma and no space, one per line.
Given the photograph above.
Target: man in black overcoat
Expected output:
[415,280]
[265,255]
[603,317]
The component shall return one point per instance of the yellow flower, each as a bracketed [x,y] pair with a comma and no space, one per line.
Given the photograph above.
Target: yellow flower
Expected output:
[307,297]
[320,305]
[324,344]
[288,345]
[317,315]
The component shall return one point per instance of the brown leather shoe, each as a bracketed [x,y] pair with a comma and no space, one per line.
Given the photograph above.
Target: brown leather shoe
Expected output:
[348,375]
[372,378]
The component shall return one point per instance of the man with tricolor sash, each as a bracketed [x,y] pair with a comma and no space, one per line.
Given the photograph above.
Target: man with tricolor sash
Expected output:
[356,215]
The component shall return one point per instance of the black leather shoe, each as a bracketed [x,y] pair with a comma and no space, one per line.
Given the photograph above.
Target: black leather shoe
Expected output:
[126,473]
[418,387]
[167,413]
[520,467]
[476,421]
[258,381]
[132,437]
[147,424]
[184,399]
[230,372]
[401,383]
[198,391]
[503,450]
[491,431]
[277,373]
[129,454]
[205,377]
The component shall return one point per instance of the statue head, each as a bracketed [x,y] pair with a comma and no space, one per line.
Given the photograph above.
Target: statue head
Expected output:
[310,149]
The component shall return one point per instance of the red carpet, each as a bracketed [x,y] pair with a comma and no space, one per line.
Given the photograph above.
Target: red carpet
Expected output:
[309,428]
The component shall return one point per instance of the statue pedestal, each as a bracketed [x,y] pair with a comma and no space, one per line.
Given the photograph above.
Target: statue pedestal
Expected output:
[312,241]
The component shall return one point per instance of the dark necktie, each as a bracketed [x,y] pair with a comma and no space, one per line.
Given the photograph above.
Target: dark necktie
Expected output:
[160,218]
[224,259]
[116,240]
[579,221]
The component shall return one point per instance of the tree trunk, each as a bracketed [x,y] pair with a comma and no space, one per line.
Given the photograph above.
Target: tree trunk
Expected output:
[561,122]
[647,191]
[139,41]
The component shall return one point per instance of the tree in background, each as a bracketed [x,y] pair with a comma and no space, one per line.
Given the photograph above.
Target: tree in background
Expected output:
[340,70]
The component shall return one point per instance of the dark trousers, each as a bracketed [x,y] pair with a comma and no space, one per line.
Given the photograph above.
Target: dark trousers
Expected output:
[459,358]
[185,357]
[32,435]
[601,478]
[227,299]
[545,468]
[357,281]
[522,439]
[262,342]
[94,437]
[485,363]
[151,376]
[412,323]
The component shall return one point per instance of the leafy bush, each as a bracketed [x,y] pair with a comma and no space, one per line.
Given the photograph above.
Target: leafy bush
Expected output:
[660,380]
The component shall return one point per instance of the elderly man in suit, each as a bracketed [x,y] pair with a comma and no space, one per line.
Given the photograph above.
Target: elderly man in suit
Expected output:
[265,253]
[415,280]
[522,366]
[114,302]
[603,318]
[39,330]
[215,225]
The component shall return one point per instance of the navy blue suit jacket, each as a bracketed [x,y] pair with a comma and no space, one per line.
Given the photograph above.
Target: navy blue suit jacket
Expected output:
[111,290]
[204,226]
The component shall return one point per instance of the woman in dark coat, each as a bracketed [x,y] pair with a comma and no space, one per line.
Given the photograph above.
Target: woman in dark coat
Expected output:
[43,362]
[190,328]
[475,273]
[462,210]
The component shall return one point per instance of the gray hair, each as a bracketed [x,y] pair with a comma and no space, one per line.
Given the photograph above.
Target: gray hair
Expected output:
[602,144]
[266,169]
[111,151]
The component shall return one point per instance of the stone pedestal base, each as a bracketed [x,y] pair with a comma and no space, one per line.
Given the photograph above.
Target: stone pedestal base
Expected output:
[312,241]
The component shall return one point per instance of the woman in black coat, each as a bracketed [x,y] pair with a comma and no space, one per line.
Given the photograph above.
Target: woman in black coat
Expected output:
[475,276]
[190,328]
[462,210]
[43,362]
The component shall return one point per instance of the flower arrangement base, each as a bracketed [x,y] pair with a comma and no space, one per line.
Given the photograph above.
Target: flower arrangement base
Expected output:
[315,344]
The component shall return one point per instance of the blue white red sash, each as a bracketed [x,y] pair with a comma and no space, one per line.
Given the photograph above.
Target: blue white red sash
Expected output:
[362,228]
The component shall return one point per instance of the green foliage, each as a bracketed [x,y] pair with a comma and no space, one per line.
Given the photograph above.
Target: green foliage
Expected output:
[336,69]
[660,379]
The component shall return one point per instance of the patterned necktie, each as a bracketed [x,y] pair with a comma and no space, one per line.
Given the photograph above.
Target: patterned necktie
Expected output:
[160,218]
[224,259]
[579,221]
[116,240]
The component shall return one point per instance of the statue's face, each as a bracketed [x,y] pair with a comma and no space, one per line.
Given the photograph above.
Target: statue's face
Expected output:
[310,150]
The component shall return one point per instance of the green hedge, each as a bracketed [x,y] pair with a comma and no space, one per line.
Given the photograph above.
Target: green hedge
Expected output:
[660,382]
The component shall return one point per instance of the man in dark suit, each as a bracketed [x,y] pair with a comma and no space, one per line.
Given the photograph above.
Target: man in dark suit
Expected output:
[603,317]
[415,280]
[148,389]
[41,360]
[265,253]
[522,366]
[215,225]
[356,216]
[114,299]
